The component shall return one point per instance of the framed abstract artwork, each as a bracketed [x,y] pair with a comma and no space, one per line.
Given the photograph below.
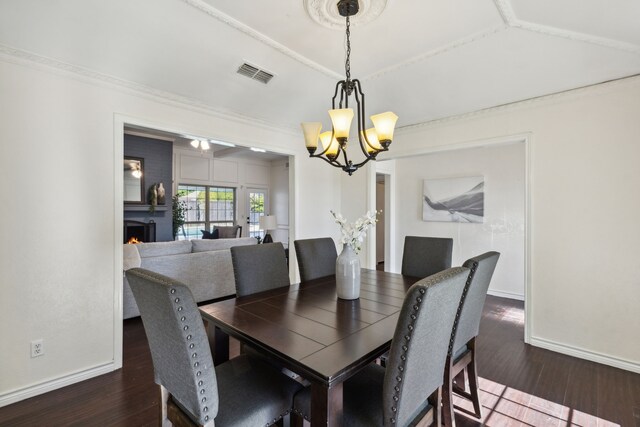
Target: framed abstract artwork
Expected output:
[453,199]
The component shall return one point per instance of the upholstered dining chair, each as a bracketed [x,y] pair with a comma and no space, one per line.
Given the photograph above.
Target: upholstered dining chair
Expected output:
[409,389]
[228,232]
[461,356]
[242,391]
[424,256]
[259,268]
[316,258]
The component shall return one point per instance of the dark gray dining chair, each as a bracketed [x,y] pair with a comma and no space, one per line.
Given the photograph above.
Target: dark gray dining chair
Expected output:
[316,258]
[258,268]
[242,391]
[424,256]
[409,389]
[461,356]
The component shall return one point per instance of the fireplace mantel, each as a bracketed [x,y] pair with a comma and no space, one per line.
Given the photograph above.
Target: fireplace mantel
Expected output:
[143,208]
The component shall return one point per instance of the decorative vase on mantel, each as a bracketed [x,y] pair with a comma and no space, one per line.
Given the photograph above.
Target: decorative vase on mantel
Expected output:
[348,273]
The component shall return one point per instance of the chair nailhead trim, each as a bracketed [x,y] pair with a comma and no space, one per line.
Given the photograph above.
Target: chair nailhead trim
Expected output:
[463,299]
[173,291]
[405,349]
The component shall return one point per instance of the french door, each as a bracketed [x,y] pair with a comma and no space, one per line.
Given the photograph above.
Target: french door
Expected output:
[256,207]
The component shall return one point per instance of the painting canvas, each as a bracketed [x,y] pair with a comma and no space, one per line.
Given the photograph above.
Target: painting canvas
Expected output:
[453,199]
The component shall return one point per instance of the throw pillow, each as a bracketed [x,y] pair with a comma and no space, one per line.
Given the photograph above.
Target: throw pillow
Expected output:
[210,234]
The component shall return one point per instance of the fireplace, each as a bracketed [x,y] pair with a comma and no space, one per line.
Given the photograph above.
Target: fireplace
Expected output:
[140,231]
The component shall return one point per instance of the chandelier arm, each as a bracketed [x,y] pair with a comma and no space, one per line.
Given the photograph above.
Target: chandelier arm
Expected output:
[335,94]
[361,128]
[362,163]
[344,154]
[333,163]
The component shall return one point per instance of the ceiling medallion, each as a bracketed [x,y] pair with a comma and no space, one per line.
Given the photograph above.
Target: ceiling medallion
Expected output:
[325,13]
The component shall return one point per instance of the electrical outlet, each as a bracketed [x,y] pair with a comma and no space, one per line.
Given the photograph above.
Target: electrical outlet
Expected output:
[37,348]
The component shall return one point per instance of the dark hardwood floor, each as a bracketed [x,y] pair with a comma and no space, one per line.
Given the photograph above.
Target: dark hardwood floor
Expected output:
[520,385]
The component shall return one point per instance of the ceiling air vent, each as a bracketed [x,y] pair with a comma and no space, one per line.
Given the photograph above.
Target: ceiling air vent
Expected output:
[255,73]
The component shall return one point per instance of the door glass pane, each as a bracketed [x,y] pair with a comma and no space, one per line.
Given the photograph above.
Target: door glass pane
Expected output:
[256,210]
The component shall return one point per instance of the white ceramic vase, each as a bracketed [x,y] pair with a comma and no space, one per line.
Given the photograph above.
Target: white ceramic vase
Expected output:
[348,274]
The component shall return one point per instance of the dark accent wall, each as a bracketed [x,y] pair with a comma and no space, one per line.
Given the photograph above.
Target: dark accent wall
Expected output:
[158,167]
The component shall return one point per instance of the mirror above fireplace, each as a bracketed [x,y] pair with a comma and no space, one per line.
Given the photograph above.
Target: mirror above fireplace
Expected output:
[133,169]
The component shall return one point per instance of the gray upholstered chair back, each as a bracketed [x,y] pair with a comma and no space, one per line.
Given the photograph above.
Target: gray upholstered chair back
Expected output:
[182,360]
[419,348]
[470,311]
[424,256]
[316,258]
[259,268]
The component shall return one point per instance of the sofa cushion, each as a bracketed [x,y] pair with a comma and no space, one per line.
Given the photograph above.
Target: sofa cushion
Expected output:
[210,234]
[205,245]
[227,232]
[147,250]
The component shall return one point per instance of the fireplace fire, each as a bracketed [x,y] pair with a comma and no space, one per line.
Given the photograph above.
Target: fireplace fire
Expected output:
[140,231]
[133,240]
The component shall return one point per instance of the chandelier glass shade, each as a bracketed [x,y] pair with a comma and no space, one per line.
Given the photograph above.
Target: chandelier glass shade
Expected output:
[331,146]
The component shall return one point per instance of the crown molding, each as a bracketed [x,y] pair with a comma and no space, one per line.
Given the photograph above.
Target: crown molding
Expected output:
[576,36]
[510,18]
[506,11]
[437,51]
[325,13]
[32,60]
[228,20]
[527,103]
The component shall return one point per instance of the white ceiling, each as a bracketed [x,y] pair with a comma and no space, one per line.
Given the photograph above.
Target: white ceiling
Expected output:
[423,59]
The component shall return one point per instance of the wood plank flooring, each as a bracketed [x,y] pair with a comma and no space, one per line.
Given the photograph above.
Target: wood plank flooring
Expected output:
[520,386]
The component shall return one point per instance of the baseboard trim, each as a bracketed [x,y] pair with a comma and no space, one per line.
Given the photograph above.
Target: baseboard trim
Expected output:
[503,294]
[44,387]
[581,353]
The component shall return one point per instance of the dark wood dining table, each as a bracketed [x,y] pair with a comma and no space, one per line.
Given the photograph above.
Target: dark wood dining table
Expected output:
[308,330]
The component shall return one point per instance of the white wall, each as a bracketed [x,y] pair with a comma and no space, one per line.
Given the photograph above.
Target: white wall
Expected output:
[503,168]
[62,142]
[380,225]
[584,277]
[279,195]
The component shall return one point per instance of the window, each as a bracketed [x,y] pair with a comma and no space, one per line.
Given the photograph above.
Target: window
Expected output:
[206,206]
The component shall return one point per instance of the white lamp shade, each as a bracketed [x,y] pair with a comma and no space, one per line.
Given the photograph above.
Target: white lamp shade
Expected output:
[311,132]
[341,120]
[268,222]
[204,145]
[385,124]
[195,143]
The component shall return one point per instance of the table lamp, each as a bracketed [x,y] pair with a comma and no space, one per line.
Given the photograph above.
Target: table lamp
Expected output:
[268,222]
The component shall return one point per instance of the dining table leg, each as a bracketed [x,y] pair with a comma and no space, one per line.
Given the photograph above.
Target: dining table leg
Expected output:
[326,404]
[219,343]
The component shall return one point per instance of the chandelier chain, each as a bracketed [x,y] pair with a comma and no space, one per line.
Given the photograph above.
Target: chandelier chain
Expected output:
[347,63]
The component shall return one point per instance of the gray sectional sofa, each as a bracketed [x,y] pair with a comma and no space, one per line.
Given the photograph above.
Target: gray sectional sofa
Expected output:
[203,265]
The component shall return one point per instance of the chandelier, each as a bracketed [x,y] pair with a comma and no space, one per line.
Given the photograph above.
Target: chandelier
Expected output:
[333,144]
